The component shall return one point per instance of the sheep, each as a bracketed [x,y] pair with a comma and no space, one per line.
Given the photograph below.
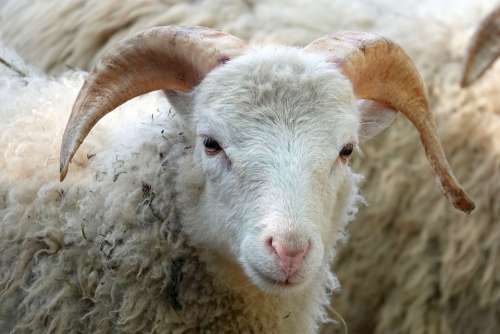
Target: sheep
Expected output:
[409,232]
[227,223]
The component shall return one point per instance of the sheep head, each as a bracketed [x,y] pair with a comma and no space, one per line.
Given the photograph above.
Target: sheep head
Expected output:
[274,127]
[484,48]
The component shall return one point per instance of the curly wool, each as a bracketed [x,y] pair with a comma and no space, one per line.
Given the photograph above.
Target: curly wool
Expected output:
[104,251]
[95,256]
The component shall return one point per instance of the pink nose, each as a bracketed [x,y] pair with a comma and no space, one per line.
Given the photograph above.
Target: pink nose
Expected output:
[290,258]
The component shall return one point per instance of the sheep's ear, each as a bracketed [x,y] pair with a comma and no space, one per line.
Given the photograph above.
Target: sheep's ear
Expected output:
[181,102]
[375,118]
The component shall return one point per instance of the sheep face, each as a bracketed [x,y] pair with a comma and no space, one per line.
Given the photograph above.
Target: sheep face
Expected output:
[274,132]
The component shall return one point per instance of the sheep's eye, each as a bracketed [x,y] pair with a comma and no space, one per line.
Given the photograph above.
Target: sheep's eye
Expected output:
[212,147]
[346,151]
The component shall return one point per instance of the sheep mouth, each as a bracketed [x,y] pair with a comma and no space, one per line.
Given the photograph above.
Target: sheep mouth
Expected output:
[285,284]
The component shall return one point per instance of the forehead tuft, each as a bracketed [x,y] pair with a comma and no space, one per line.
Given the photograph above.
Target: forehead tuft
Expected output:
[275,84]
[280,70]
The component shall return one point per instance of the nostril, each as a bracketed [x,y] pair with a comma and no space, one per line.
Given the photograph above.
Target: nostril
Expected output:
[269,243]
[290,258]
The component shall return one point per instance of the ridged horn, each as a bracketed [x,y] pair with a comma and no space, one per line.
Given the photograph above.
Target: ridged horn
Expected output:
[380,70]
[168,58]
[483,50]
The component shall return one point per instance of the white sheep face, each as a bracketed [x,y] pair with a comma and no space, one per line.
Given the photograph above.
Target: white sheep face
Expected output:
[277,193]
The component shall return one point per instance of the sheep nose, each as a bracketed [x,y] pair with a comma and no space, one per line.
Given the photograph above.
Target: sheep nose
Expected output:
[290,258]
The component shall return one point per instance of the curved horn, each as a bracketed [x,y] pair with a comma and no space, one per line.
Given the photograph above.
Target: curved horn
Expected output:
[380,70]
[170,58]
[483,50]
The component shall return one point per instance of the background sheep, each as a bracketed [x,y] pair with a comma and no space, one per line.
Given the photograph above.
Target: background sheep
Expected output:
[85,28]
[413,252]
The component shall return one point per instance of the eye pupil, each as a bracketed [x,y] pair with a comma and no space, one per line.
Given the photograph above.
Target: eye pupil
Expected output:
[212,147]
[346,151]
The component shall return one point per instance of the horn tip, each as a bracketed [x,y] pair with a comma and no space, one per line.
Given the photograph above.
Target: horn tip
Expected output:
[63,167]
[465,81]
[464,203]
[63,170]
